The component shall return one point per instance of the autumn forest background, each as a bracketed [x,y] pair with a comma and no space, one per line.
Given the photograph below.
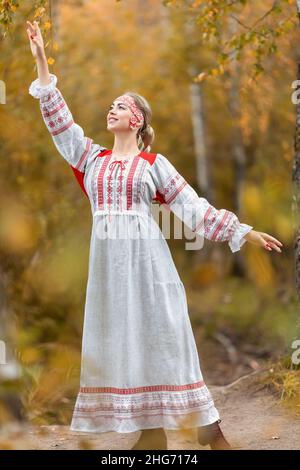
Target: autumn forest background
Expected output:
[218,76]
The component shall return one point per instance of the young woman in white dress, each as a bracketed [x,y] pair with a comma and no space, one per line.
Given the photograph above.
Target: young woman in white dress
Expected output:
[140,367]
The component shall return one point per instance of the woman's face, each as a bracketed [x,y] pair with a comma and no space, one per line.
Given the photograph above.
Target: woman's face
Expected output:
[118,116]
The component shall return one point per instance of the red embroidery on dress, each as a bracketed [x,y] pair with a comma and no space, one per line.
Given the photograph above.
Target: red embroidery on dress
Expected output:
[138,187]
[173,186]
[109,190]
[208,222]
[52,94]
[120,188]
[62,129]
[220,225]
[54,97]
[176,191]
[79,175]
[79,414]
[48,113]
[85,153]
[164,407]
[220,230]
[132,401]
[233,228]
[148,388]
[99,186]
[129,184]
[110,186]
[94,183]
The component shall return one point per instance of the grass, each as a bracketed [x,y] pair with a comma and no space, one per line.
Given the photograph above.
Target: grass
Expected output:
[283,379]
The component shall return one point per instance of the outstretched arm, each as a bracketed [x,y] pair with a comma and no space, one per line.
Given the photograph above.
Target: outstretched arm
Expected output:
[67,136]
[38,51]
[199,215]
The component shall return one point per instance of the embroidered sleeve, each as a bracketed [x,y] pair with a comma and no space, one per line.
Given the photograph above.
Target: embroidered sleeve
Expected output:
[196,212]
[67,136]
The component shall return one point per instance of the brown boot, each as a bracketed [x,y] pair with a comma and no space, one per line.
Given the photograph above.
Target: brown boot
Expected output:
[151,439]
[212,435]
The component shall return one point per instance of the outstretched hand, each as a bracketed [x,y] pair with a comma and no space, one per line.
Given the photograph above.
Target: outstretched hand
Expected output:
[264,240]
[36,39]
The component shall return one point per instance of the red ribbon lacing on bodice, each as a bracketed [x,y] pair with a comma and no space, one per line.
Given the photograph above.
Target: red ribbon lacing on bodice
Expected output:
[111,167]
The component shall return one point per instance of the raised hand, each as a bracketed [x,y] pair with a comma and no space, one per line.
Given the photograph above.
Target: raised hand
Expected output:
[36,39]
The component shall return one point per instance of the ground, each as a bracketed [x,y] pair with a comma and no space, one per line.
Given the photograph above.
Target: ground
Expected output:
[252,418]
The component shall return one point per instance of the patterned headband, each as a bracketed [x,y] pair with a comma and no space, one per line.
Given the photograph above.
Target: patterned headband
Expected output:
[138,118]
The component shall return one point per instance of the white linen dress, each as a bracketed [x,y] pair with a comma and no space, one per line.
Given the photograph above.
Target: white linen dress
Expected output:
[139,363]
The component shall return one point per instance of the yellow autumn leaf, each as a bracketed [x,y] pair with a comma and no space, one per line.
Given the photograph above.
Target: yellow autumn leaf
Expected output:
[214,71]
[47,25]
[39,12]
[30,355]
[55,46]
[50,60]
[13,8]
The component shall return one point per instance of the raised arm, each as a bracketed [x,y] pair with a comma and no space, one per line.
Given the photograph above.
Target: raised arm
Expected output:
[68,137]
[198,214]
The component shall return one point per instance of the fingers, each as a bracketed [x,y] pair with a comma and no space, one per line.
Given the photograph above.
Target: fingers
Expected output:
[31,37]
[273,245]
[31,32]
[269,245]
[30,26]
[34,28]
[272,242]
[269,238]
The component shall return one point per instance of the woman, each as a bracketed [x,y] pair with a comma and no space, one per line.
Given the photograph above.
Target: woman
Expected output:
[140,368]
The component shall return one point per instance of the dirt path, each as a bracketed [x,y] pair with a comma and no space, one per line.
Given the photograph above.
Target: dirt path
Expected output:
[251,419]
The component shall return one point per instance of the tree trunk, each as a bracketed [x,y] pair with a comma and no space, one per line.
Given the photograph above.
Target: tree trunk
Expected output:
[238,148]
[296,177]
[212,251]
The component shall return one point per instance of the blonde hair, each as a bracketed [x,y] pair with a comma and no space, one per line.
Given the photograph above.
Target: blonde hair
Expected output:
[145,135]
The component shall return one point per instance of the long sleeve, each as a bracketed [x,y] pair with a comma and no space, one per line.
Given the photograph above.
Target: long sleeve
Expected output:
[67,136]
[196,212]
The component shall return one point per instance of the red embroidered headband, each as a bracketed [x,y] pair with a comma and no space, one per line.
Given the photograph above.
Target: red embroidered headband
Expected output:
[138,118]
